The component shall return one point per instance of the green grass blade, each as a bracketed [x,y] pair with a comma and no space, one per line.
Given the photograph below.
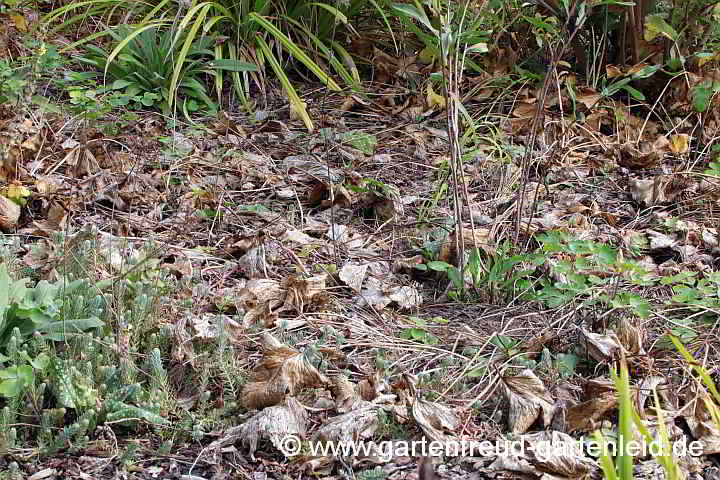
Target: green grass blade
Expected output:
[151,14]
[381,12]
[180,60]
[333,11]
[123,44]
[237,81]
[625,422]
[348,60]
[339,68]
[606,461]
[218,74]
[295,51]
[83,41]
[702,372]
[77,18]
[188,18]
[672,471]
[280,73]
[59,12]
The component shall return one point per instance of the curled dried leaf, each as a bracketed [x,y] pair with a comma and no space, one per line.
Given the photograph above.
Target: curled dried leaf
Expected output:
[283,371]
[528,401]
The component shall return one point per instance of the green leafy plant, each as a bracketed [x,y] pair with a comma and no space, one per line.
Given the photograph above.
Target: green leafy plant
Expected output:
[420,333]
[16,378]
[247,32]
[19,79]
[702,95]
[39,309]
[12,83]
[43,379]
[446,26]
[376,473]
[141,72]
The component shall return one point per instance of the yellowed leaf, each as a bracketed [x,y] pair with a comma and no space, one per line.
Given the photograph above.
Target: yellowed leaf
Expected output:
[17,191]
[426,56]
[701,61]
[19,21]
[613,71]
[434,99]
[296,111]
[680,143]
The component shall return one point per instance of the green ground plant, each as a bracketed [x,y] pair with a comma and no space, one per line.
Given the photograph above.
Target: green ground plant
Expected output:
[140,69]
[82,352]
[585,272]
[242,33]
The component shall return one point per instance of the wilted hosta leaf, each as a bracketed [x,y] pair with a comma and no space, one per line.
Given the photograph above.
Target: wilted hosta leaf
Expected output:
[283,371]
[305,168]
[382,295]
[436,420]
[588,97]
[320,466]
[373,386]
[645,155]
[353,275]
[208,326]
[356,425]
[602,348]
[528,401]
[659,240]
[305,294]
[479,237]
[645,391]
[260,298]
[632,337]
[389,205]
[9,214]
[548,455]
[583,417]
[701,424]
[273,424]
[344,392]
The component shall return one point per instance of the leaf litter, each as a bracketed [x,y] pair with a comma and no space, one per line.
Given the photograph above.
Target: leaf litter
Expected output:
[309,235]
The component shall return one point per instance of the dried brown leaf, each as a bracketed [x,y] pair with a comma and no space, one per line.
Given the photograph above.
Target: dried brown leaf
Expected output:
[528,401]
[584,416]
[9,214]
[602,348]
[273,423]
[283,371]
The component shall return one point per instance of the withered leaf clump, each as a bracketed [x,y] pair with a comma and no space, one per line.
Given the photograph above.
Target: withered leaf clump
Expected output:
[528,401]
[273,423]
[356,425]
[284,371]
[547,455]
[437,421]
